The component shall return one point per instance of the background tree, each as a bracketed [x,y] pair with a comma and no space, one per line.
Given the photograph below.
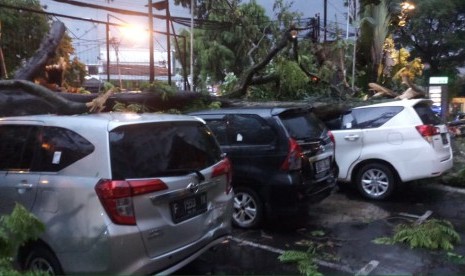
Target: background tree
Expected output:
[254,50]
[21,32]
[435,32]
[375,26]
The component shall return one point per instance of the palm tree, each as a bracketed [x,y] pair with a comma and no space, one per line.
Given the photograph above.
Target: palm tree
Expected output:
[375,28]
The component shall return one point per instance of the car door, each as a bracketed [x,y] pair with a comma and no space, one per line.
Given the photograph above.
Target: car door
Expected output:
[253,142]
[349,142]
[18,183]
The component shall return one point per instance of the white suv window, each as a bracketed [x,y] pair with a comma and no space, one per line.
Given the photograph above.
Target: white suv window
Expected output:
[373,117]
[427,116]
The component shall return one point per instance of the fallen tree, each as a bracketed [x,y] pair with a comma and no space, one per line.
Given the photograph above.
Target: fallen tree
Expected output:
[23,96]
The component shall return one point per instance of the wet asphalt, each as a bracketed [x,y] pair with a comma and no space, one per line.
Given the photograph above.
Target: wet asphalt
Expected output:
[342,229]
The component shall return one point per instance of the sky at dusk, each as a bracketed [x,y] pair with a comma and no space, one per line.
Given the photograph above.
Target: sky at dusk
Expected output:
[88,38]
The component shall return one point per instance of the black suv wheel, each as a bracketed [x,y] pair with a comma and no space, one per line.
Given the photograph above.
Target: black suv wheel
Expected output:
[248,209]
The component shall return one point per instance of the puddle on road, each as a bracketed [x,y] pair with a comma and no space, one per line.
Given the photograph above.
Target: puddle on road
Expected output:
[338,209]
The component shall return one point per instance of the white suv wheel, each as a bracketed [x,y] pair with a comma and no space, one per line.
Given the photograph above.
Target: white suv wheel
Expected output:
[375,181]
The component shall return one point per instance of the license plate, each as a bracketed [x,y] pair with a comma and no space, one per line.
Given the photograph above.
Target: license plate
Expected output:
[322,165]
[188,207]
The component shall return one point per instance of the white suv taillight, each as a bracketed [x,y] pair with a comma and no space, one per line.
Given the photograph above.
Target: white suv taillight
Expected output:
[224,168]
[428,131]
[116,197]
[293,159]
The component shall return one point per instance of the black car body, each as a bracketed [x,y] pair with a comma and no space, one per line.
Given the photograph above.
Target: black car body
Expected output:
[282,158]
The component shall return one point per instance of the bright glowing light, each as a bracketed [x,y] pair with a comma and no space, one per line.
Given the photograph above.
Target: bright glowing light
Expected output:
[407,6]
[134,33]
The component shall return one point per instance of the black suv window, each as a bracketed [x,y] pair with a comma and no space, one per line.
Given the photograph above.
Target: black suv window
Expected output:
[161,149]
[303,126]
[372,117]
[427,116]
[17,146]
[242,129]
[248,129]
[60,148]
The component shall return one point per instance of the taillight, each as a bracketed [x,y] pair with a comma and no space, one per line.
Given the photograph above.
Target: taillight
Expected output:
[427,131]
[224,168]
[293,159]
[116,197]
[331,137]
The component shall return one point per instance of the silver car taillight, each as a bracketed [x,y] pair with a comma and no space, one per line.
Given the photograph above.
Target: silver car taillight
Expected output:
[116,197]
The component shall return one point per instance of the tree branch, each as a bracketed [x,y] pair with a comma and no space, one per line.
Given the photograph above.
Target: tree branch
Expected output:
[245,80]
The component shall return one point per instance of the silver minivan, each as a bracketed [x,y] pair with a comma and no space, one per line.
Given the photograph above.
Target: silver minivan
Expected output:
[118,193]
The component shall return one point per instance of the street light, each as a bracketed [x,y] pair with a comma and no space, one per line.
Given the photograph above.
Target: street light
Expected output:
[405,7]
[126,30]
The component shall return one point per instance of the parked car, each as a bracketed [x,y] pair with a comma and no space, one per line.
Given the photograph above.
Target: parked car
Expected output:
[381,146]
[457,126]
[117,193]
[282,159]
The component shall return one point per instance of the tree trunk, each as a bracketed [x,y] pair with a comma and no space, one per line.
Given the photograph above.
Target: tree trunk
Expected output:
[47,49]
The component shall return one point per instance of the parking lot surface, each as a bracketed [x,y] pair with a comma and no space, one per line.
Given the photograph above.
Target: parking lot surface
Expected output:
[343,228]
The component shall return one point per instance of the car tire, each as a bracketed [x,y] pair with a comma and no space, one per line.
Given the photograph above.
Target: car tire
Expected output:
[376,181]
[248,208]
[42,260]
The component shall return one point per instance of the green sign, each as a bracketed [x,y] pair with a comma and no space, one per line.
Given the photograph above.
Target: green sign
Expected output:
[438,80]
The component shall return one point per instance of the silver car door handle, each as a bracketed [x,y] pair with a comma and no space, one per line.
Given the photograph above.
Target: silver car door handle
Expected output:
[24,186]
[351,137]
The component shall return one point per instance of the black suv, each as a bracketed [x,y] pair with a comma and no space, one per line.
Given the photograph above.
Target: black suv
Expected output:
[282,158]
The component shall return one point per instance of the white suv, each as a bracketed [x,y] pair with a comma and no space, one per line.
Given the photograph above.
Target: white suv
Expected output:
[382,145]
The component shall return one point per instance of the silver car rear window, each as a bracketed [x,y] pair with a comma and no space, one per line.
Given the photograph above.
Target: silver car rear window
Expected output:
[161,149]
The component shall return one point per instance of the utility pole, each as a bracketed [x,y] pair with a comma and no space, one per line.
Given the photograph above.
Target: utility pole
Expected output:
[107,32]
[325,15]
[168,42]
[192,46]
[151,47]
[165,5]
[2,58]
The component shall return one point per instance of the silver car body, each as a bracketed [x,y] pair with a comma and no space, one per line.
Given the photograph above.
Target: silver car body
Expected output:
[79,230]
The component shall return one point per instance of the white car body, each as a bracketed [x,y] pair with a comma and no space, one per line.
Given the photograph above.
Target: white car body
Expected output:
[396,142]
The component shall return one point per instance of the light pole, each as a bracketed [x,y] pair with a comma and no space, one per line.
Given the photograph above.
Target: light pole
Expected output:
[352,14]
[192,46]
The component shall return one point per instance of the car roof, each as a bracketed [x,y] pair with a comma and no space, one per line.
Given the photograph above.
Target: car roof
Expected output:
[260,110]
[405,103]
[110,119]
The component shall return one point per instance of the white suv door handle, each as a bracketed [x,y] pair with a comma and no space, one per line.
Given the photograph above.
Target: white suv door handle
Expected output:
[351,137]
